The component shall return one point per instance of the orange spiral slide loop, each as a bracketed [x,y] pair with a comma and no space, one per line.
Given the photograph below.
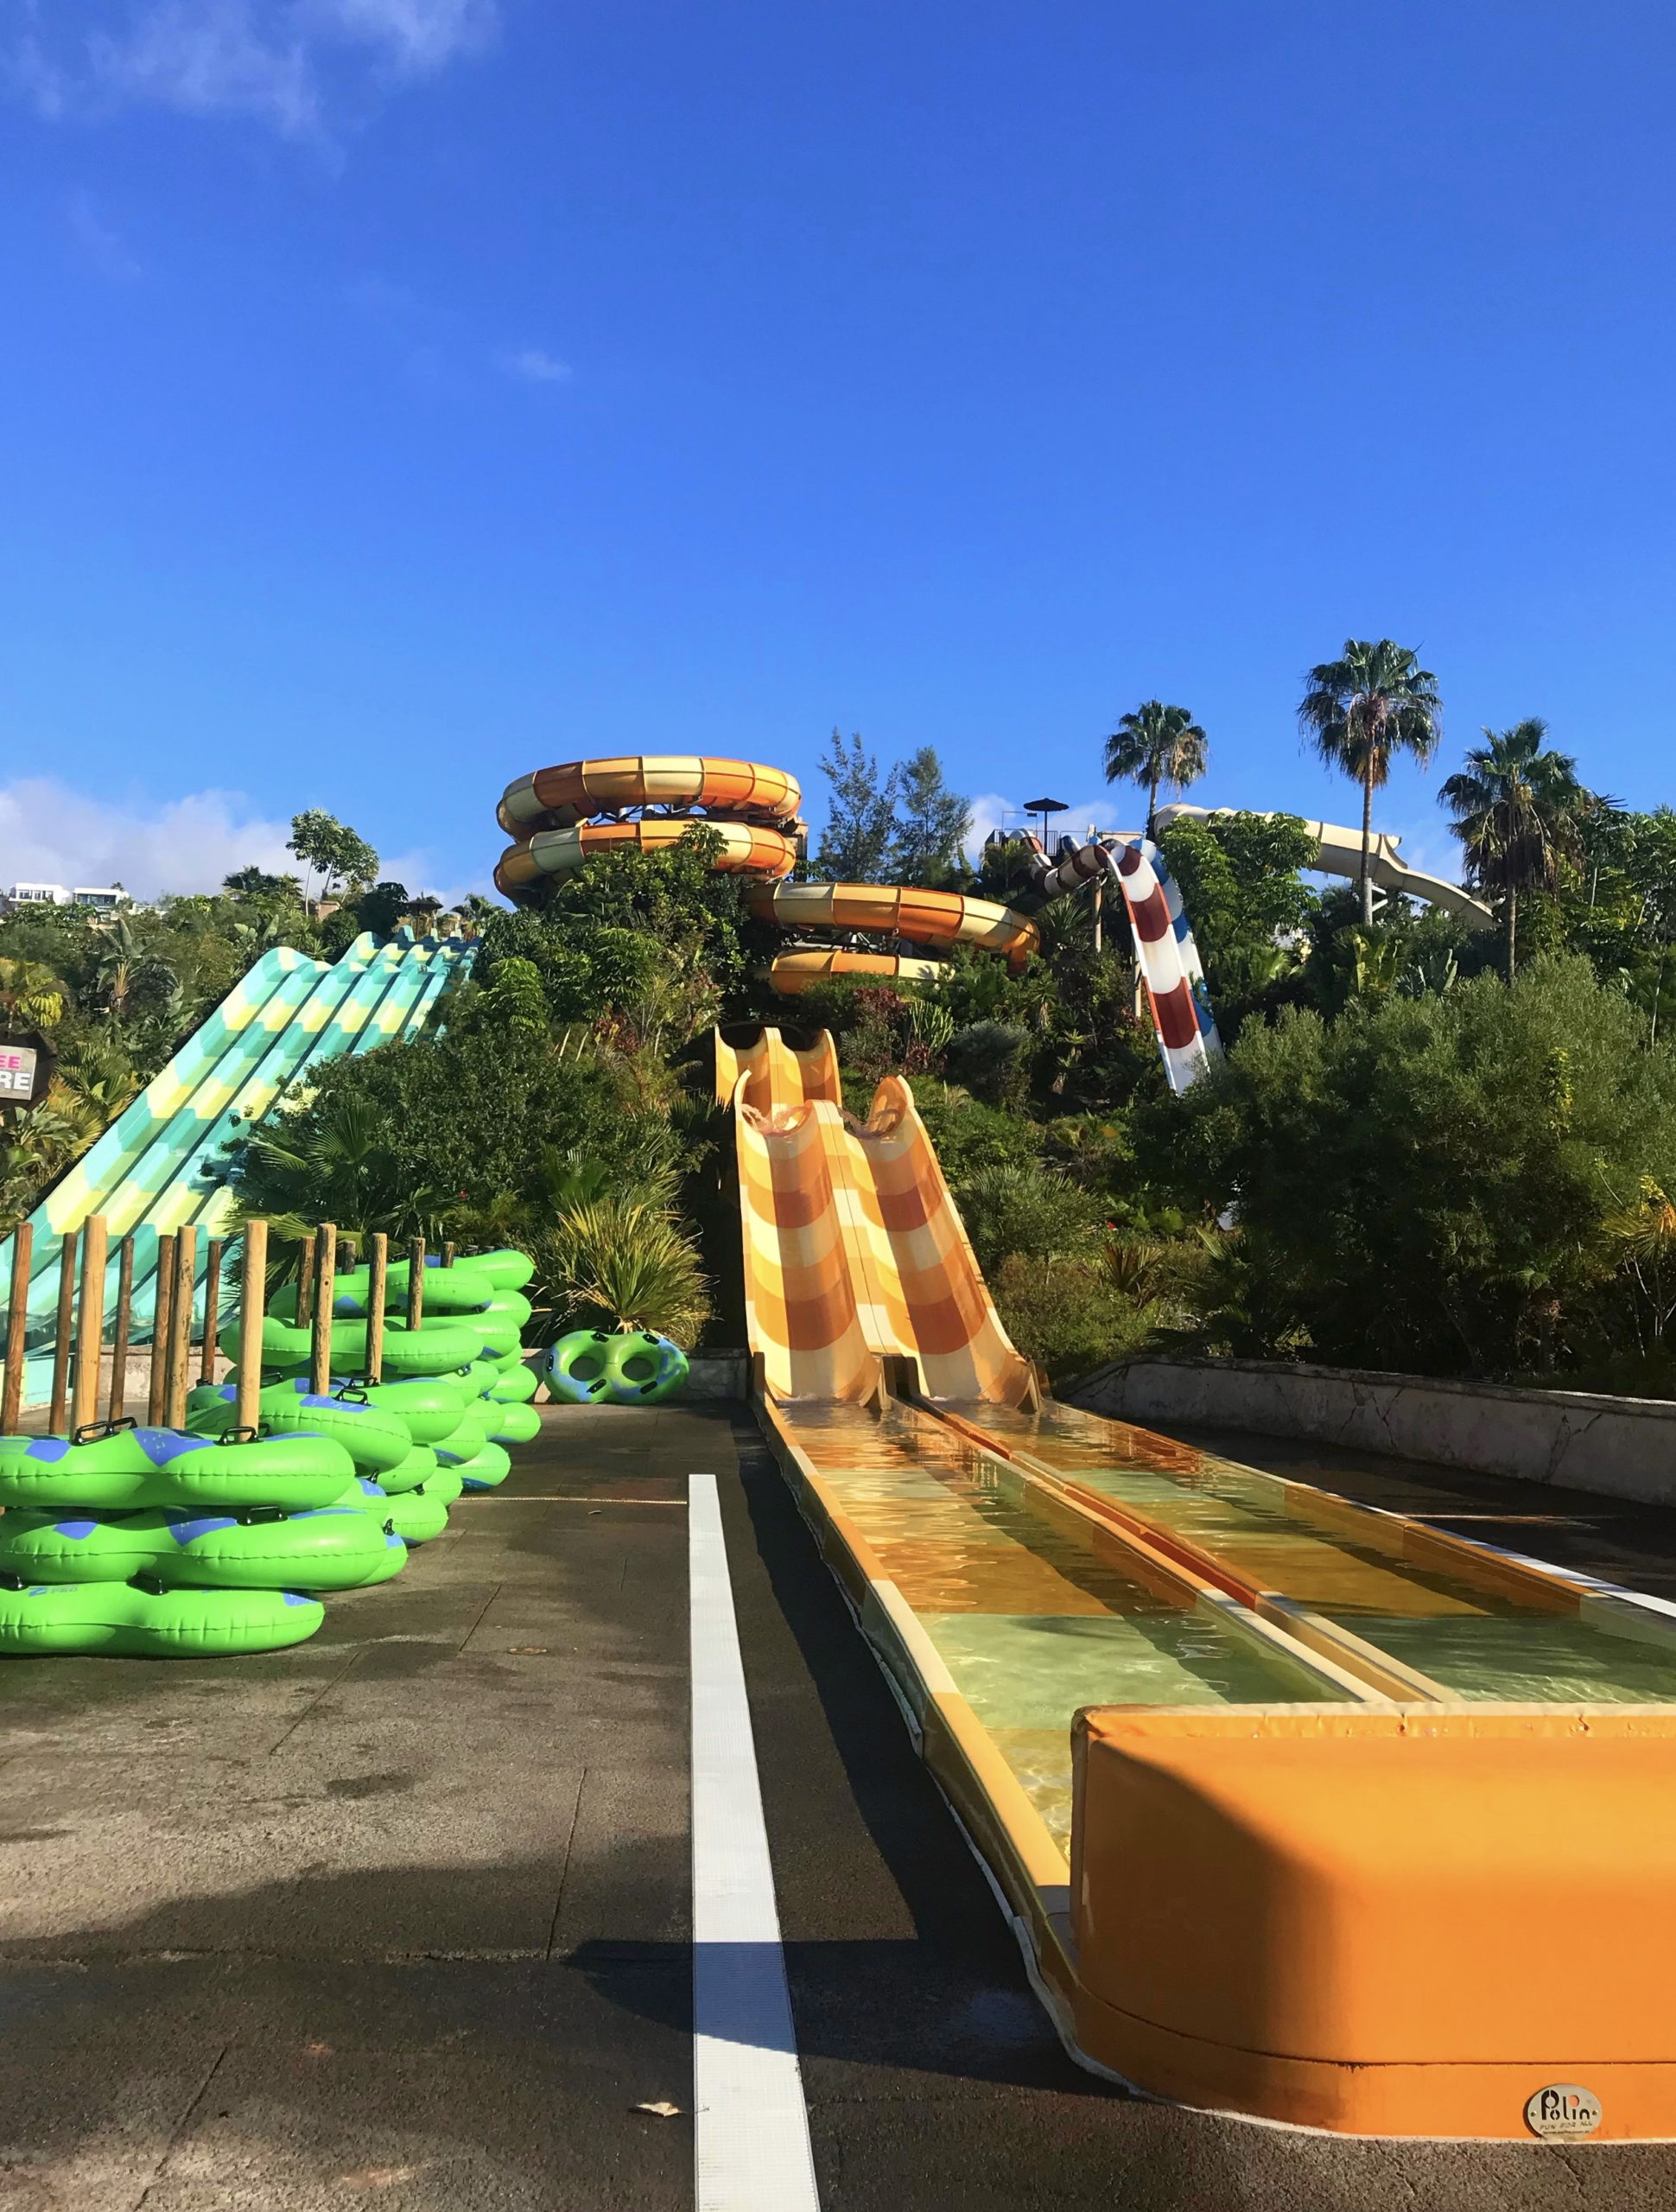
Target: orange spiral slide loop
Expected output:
[560,816]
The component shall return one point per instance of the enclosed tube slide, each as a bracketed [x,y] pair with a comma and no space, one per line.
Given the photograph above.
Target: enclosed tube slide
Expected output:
[1165,950]
[560,816]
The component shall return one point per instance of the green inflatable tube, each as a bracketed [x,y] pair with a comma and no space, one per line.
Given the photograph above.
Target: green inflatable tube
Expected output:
[499,1338]
[431,1404]
[513,1424]
[419,1516]
[431,1349]
[514,1386]
[506,1269]
[376,1441]
[122,1619]
[81,1547]
[445,1483]
[487,1469]
[419,1466]
[132,1467]
[339,1546]
[463,1289]
[507,1306]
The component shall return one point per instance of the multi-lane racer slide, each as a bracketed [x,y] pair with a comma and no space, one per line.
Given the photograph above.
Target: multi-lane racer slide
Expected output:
[161,1164]
[1279,1791]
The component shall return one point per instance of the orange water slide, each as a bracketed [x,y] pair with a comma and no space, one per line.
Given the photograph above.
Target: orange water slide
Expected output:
[554,798]
[748,847]
[939,919]
[853,1251]
[561,816]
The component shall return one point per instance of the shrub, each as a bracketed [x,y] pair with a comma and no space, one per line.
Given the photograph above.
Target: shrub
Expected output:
[1067,1314]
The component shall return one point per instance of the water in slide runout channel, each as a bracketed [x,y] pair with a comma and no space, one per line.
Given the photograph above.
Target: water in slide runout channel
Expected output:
[1473,1630]
[1032,1616]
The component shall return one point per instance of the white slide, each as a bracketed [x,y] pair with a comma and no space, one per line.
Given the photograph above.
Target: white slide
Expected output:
[1338,852]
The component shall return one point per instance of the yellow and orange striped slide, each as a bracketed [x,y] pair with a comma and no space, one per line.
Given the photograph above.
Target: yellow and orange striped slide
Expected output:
[855,1253]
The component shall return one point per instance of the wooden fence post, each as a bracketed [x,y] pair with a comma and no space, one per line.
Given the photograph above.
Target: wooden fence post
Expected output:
[58,1410]
[212,1264]
[415,1282]
[306,1284]
[325,1284]
[123,1328]
[377,1281]
[90,1323]
[163,1304]
[17,1322]
[252,1305]
[180,1328]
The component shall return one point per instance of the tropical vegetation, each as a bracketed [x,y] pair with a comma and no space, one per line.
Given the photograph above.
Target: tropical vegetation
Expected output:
[1429,1146]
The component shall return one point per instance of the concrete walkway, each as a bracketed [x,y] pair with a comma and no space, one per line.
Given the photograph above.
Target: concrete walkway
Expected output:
[400,1919]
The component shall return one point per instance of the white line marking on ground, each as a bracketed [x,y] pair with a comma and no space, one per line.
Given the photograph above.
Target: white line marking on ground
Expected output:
[751,2150]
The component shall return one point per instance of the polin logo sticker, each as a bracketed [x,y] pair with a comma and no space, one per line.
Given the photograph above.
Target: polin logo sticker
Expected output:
[1563,2108]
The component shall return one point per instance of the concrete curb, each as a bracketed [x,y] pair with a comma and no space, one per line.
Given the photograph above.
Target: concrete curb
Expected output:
[1622,1447]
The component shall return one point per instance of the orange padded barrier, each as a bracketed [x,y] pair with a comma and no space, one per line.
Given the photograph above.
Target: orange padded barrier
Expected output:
[1380,1922]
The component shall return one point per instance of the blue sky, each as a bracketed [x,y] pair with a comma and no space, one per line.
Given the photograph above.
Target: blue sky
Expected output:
[397,395]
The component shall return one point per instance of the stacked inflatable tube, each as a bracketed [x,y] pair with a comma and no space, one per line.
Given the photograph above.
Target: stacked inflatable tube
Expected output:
[147,1542]
[155,1543]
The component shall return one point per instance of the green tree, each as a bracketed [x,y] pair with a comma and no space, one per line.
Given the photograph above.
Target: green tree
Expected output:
[339,853]
[1154,745]
[1424,1183]
[380,908]
[861,824]
[1372,702]
[1241,884]
[932,823]
[430,1136]
[1518,811]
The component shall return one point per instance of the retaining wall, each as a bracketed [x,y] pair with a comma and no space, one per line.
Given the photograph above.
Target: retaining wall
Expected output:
[1625,1447]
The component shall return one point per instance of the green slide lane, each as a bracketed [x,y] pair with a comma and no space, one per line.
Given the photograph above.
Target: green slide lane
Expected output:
[161,1164]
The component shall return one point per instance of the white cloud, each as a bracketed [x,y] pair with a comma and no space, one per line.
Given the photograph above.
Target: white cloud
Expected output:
[50,834]
[262,58]
[99,244]
[535,365]
[415,36]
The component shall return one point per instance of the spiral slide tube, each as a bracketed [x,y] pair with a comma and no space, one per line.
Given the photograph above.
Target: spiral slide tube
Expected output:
[560,816]
[160,1165]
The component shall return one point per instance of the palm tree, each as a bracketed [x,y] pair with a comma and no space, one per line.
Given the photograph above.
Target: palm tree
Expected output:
[1518,813]
[1156,745]
[1372,703]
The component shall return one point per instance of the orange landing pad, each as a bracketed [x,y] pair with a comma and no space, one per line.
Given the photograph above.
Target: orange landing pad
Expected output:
[1384,1922]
